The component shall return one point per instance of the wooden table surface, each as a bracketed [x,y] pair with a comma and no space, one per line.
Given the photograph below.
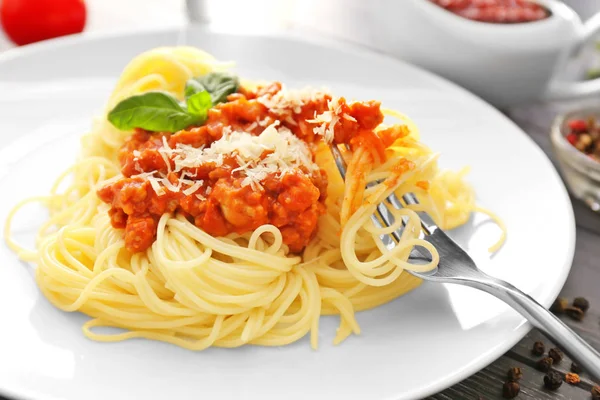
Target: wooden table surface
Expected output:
[584,280]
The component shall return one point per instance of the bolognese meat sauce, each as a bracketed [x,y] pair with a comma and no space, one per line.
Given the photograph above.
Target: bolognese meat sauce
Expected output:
[249,165]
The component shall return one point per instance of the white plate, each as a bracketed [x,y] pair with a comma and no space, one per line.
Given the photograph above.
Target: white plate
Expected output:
[414,346]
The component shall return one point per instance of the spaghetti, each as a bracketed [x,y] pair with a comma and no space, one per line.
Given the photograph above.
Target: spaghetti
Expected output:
[219,276]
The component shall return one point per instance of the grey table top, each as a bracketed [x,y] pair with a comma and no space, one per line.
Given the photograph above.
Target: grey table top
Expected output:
[584,280]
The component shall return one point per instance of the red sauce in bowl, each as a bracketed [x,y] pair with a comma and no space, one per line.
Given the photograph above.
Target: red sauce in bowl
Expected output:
[495,11]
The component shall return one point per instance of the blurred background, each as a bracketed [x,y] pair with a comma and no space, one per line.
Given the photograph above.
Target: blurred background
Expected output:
[506,51]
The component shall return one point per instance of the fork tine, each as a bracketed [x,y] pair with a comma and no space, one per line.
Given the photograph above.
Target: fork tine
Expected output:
[396,203]
[382,211]
[339,160]
[427,223]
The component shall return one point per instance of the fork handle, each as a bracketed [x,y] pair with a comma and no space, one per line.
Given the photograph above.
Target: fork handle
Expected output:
[541,318]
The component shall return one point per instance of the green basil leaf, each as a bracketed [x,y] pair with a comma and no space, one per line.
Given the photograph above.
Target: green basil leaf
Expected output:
[153,111]
[218,84]
[192,87]
[198,104]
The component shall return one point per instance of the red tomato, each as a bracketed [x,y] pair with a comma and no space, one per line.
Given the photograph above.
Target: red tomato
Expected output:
[28,21]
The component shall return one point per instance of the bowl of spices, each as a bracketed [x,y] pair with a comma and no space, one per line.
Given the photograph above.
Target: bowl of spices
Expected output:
[576,140]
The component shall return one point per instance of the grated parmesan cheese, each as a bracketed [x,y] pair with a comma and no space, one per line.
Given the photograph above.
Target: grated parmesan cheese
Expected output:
[163,155]
[285,100]
[195,186]
[328,119]
[285,151]
[155,182]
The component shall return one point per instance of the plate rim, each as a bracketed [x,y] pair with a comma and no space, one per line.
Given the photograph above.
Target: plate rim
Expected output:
[301,36]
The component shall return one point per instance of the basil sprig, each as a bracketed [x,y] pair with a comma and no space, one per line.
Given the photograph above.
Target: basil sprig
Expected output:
[198,105]
[153,111]
[161,112]
[218,84]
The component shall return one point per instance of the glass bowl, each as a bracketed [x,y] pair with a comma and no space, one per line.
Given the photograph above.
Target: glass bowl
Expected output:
[580,172]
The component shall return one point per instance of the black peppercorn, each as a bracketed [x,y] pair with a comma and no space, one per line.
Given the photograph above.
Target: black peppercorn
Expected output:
[553,380]
[538,349]
[510,390]
[556,355]
[575,313]
[545,364]
[596,393]
[575,368]
[582,303]
[514,374]
[559,305]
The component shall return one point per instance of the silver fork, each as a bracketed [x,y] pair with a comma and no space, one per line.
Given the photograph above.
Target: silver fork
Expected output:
[456,266]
